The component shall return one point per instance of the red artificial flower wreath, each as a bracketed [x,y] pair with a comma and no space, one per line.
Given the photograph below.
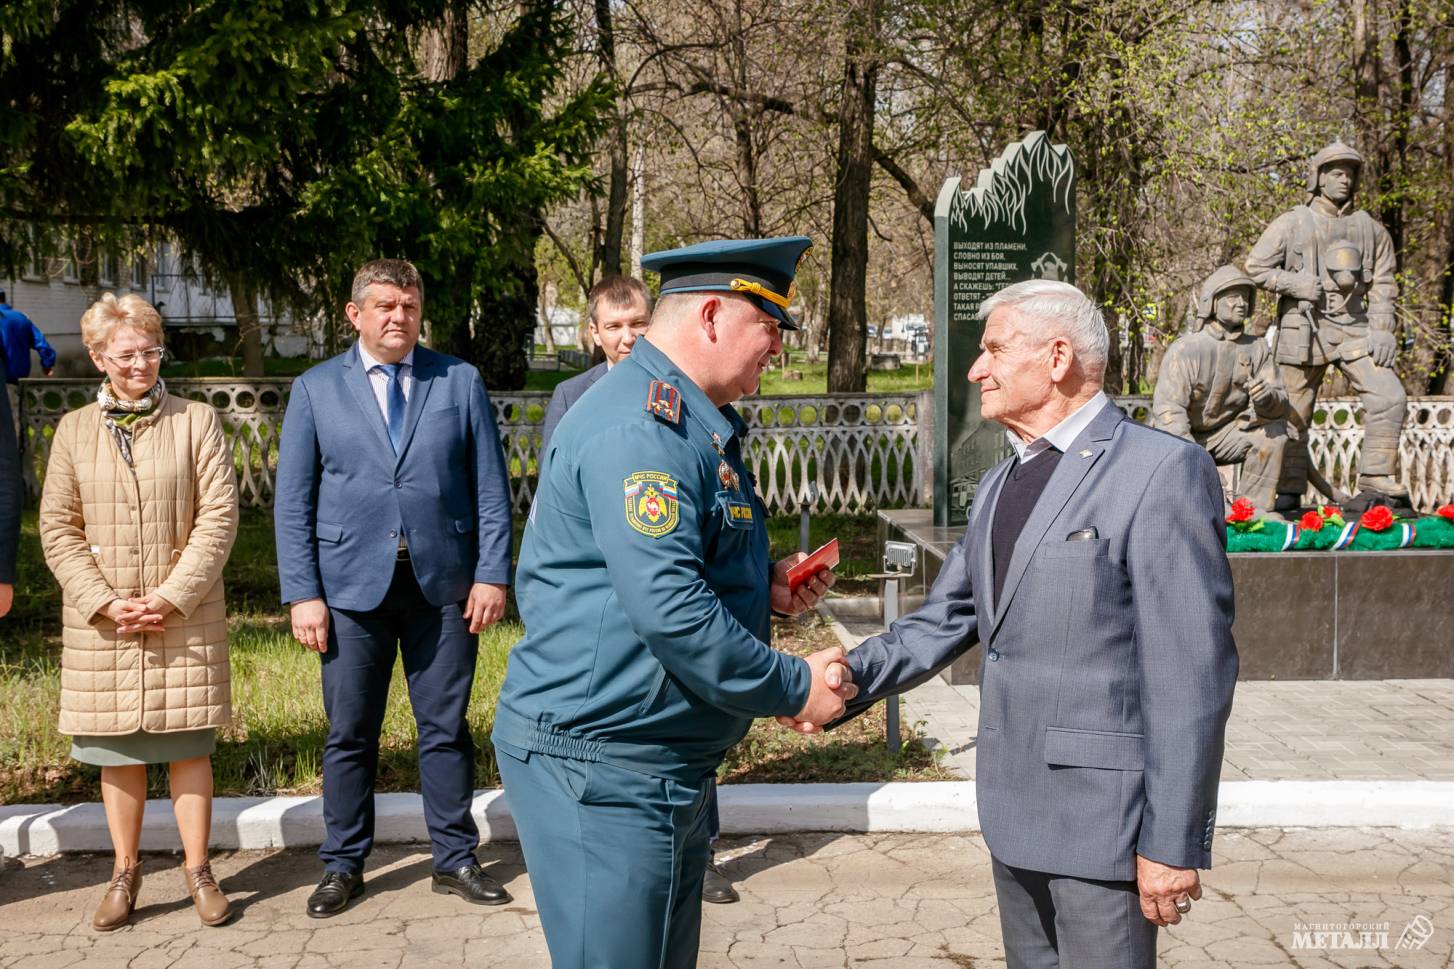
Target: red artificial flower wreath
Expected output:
[1376,519]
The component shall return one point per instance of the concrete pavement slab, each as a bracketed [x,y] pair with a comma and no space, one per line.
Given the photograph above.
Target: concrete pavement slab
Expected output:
[1305,898]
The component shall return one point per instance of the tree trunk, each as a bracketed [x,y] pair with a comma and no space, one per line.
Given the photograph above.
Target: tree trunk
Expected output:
[747,172]
[547,307]
[443,53]
[847,309]
[1439,378]
[505,326]
[609,257]
[1394,176]
[444,46]
[638,210]
[249,332]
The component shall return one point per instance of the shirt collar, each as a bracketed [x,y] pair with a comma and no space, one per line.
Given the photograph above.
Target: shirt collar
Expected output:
[1062,435]
[724,421]
[369,363]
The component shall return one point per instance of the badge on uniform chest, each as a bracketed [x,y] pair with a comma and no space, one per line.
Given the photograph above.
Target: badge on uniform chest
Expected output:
[735,512]
[728,477]
[725,472]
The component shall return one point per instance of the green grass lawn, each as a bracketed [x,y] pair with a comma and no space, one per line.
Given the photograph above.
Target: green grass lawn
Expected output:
[232,367]
[815,378]
[275,744]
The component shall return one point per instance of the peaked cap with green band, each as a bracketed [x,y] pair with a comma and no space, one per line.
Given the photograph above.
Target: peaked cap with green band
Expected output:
[763,270]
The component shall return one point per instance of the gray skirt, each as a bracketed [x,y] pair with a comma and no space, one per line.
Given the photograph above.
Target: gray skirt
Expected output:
[126,750]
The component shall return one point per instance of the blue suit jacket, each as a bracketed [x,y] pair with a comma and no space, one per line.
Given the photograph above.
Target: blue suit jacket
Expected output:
[343,497]
[567,392]
[1108,667]
[18,336]
[11,496]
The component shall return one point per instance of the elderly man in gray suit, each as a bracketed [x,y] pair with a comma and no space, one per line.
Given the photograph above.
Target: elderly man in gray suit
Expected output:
[619,310]
[1094,572]
[11,499]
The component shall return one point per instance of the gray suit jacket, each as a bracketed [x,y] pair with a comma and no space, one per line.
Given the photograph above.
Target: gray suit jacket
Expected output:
[1108,667]
[567,392]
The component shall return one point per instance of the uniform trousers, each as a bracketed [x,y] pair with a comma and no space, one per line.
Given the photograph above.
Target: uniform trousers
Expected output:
[616,859]
[439,664]
[1059,922]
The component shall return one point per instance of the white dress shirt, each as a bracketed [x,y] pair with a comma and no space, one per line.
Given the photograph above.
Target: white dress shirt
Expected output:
[1062,435]
[379,378]
[379,382]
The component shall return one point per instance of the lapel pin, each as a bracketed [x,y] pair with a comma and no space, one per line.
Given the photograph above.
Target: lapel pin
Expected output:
[1086,453]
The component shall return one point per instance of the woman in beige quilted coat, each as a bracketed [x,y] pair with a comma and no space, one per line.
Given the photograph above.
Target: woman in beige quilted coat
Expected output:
[137,517]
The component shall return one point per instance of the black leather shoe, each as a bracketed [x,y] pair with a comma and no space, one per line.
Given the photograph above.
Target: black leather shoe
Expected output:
[716,888]
[471,884]
[333,893]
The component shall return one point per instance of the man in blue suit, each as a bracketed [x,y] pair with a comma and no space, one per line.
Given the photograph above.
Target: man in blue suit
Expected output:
[10,501]
[393,530]
[619,310]
[1094,573]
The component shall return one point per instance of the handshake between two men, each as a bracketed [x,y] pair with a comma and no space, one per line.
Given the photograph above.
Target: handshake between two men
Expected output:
[832,681]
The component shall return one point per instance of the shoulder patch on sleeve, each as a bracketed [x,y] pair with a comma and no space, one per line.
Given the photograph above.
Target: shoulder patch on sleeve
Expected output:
[651,503]
[664,402]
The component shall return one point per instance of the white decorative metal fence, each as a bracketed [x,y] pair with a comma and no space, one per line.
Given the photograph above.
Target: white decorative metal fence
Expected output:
[828,452]
[1426,450]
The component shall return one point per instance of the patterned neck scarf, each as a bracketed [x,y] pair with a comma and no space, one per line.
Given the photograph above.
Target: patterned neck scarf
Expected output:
[121,414]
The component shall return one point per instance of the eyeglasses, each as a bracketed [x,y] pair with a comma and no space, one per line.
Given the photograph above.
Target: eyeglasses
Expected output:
[149,355]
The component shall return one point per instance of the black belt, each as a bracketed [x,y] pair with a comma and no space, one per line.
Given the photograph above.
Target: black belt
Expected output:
[403,555]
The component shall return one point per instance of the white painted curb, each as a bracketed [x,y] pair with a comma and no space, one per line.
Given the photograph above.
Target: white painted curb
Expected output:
[949,806]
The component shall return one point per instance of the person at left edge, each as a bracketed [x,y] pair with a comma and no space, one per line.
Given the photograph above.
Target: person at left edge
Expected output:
[393,530]
[646,589]
[18,336]
[10,502]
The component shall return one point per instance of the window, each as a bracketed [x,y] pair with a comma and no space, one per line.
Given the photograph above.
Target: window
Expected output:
[35,257]
[109,267]
[70,265]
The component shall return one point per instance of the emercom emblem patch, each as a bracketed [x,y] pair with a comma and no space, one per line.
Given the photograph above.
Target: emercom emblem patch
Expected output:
[651,503]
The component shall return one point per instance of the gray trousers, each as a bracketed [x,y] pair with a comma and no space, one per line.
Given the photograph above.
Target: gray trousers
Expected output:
[1059,922]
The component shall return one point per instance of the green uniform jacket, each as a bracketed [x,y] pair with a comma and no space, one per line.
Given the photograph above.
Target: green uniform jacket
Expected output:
[644,585]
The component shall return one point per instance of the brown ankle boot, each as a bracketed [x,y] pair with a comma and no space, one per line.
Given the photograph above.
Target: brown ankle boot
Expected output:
[212,906]
[115,908]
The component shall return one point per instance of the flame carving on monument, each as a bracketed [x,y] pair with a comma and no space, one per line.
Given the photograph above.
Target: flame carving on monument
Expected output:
[1001,191]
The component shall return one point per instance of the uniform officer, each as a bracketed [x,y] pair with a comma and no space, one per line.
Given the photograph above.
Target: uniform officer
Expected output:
[619,310]
[645,587]
[1218,386]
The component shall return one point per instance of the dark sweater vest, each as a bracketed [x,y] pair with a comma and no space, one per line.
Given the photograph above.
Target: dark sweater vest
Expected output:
[1018,495]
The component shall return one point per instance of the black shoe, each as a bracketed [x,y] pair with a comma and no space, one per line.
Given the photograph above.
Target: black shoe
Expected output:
[334,892]
[716,888]
[471,884]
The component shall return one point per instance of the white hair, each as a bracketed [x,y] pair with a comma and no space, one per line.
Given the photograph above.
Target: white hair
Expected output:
[1049,305]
